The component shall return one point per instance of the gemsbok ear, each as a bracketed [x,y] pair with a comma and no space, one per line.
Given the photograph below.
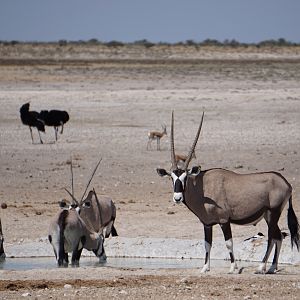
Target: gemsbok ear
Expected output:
[62,203]
[87,204]
[194,171]
[162,172]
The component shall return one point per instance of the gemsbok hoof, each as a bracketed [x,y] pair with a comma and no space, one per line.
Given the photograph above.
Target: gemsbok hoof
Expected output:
[272,270]
[260,271]
[205,269]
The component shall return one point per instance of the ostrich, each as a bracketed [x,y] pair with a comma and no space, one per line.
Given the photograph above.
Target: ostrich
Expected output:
[32,119]
[55,118]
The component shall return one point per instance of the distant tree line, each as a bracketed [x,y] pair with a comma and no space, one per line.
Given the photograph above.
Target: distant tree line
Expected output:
[147,44]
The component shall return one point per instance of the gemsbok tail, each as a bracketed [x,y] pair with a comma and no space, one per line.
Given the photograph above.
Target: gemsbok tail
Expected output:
[62,225]
[113,231]
[293,225]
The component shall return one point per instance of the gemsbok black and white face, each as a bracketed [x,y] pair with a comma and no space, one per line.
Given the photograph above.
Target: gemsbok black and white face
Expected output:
[179,176]
[179,179]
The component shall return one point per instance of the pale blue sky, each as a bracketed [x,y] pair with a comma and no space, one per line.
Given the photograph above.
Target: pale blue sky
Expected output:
[154,20]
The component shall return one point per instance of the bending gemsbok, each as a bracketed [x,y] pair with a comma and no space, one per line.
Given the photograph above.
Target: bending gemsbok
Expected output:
[219,196]
[83,224]
[68,233]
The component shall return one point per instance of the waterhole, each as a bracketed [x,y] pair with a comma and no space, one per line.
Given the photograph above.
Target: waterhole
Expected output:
[113,262]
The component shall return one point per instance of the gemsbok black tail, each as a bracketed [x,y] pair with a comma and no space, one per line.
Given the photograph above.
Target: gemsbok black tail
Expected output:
[293,225]
[114,231]
[62,256]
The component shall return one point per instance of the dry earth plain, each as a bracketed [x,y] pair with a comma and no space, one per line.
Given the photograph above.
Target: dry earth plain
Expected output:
[114,96]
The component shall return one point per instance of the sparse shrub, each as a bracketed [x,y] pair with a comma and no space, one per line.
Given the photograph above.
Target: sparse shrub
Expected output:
[115,44]
[190,43]
[211,42]
[14,43]
[280,42]
[144,43]
[62,43]
[93,41]
[231,43]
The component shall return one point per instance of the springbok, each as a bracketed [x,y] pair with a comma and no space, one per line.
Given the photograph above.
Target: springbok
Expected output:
[219,196]
[181,158]
[81,225]
[156,135]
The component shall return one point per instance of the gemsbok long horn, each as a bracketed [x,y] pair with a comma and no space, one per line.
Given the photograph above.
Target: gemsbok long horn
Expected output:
[72,196]
[72,186]
[89,182]
[189,158]
[72,180]
[173,160]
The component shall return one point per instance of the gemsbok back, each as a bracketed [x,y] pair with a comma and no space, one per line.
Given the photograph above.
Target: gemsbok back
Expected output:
[219,196]
[81,225]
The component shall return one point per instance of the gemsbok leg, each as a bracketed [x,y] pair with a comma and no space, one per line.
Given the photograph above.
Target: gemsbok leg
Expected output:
[226,228]
[274,238]
[208,242]
[76,254]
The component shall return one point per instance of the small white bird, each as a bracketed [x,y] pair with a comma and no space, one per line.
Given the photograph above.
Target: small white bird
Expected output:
[255,237]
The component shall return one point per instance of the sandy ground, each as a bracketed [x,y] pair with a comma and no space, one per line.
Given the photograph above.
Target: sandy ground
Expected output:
[251,124]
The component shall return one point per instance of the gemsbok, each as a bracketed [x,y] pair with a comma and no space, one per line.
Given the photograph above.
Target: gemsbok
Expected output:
[81,225]
[156,135]
[219,196]
[68,233]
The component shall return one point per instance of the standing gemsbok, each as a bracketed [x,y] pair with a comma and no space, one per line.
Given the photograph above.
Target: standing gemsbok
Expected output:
[219,196]
[83,224]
